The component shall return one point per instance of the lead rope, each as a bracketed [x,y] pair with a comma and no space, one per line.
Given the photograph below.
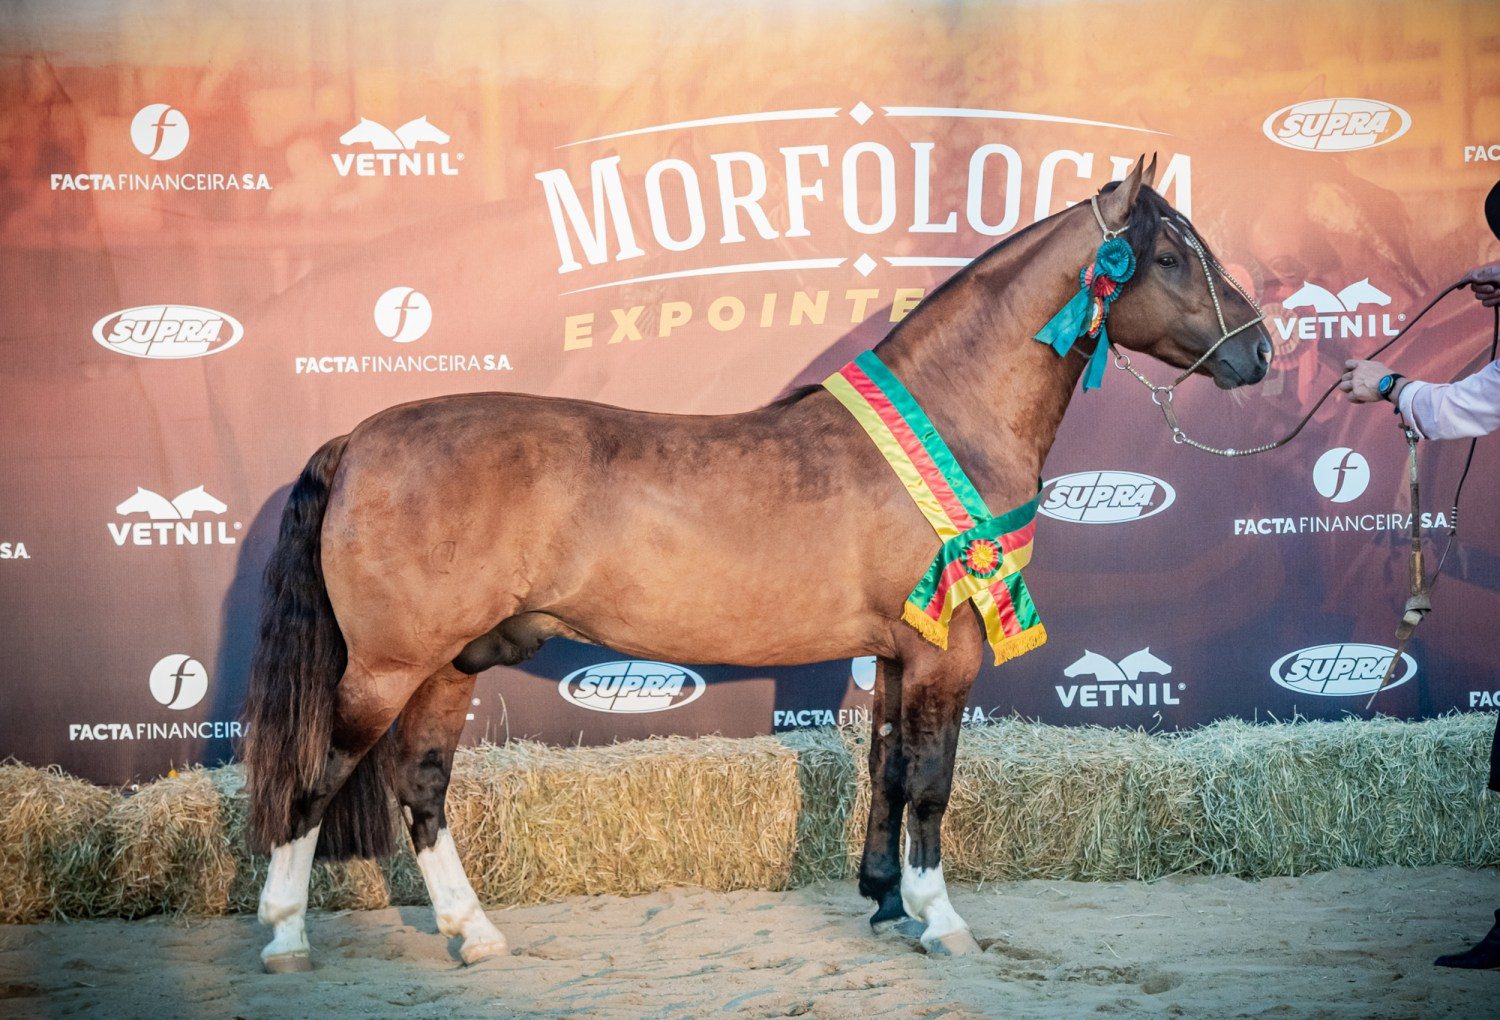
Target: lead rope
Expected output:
[1419,603]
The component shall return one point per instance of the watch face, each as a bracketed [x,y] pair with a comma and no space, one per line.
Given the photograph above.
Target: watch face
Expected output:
[1385,384]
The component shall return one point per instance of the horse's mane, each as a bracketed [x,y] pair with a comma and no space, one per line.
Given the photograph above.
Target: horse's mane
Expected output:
[1146,219]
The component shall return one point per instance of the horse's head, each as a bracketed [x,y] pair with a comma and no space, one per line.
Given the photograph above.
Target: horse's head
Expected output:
[1181,302]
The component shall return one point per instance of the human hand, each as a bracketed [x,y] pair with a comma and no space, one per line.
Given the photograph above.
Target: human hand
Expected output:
[1485,281]
[1362,379]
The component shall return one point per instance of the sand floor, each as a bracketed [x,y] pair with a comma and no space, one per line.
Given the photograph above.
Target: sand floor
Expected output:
[1344,943]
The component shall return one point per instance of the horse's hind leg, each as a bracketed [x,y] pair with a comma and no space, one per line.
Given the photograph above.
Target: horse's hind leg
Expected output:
[933,697]
[426,736]
[365,705]
[880,867]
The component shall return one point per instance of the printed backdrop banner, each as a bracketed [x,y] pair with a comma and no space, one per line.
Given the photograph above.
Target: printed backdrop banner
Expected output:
[229,233]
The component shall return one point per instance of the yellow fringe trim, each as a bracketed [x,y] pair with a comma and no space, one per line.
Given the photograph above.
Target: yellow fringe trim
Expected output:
[926,626]
[1029,640]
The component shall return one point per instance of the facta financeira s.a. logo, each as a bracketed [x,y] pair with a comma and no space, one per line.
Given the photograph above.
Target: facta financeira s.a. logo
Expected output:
[1337,125]
[1340,670]
[1105,497]
[159,131]
[631,686]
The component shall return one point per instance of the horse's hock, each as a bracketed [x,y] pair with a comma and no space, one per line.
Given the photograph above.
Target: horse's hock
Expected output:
[538,823]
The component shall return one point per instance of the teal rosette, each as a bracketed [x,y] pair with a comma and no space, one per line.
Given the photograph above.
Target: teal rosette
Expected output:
[1099,285]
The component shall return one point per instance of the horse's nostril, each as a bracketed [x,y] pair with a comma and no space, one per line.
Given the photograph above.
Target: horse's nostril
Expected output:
[1263,349]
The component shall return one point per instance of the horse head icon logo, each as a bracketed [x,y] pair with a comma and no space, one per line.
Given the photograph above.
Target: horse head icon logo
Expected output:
[383,139]
[158,508]
[1127,670]
[1325,302]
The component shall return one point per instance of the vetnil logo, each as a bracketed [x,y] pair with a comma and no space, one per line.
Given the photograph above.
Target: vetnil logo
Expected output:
[1119,684]
[170,522]
[1341,316]
[1337,125]
[415,149]
[631,686]
[1105,497]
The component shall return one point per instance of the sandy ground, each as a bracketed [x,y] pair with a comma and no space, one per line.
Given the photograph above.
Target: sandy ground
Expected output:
[1345,943]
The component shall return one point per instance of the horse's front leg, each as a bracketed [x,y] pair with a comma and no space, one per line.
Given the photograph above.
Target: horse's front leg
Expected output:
[880,867]
[935,689]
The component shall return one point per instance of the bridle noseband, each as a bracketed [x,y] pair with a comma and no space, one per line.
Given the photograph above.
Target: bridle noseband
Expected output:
[1161,396]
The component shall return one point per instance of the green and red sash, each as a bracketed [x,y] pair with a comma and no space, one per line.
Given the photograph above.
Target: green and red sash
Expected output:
[981,555]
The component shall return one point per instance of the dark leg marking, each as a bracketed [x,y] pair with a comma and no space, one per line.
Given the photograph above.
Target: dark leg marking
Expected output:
[880,867]
[426,735]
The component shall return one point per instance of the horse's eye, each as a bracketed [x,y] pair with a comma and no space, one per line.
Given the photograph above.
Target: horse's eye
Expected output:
[1167,261]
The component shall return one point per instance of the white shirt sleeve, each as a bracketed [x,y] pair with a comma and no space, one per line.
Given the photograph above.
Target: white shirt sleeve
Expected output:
[1470,407]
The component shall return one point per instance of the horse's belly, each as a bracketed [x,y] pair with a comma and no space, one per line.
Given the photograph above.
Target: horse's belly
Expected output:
[771,599]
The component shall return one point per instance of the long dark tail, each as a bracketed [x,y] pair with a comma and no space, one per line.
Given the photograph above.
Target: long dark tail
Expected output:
[294,679]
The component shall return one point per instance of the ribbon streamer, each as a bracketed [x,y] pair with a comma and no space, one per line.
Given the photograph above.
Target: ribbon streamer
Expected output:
[1086,312]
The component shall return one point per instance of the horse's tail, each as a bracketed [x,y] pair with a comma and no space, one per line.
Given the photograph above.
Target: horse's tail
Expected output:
[299,660]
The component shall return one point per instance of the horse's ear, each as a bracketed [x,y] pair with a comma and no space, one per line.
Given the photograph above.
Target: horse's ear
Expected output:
[1149,177]
[1115,205]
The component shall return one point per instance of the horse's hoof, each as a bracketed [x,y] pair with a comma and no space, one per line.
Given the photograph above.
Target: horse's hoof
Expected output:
[480,951]
[955,943]
[896,924]
[287,963]
[909,928]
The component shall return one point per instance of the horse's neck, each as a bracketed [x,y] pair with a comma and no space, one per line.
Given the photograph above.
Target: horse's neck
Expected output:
[967,355]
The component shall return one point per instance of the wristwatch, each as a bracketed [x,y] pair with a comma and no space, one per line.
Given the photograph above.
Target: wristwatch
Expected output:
[1387,385]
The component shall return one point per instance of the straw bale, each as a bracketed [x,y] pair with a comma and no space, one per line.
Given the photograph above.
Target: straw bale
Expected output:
[1292,798]
[536,823]
[49,830]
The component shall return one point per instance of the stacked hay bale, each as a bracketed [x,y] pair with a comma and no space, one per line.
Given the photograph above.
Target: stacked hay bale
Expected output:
[51,827]
[537,823]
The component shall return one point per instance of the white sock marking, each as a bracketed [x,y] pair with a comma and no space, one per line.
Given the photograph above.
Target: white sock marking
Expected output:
[453,900]
[924,894]
[283,899]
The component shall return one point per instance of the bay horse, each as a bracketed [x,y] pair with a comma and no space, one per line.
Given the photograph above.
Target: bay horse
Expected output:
[446,536]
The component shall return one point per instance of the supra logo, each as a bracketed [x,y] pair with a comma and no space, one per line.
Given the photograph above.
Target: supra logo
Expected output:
[1105,497]
[631,686]
[159,131]
[396,153]
[1336,125]
[1342,670]
[1341,475]
[1118,683]
[170,521]
[403,314]
[1331,316]
[179,682]
[168,332]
